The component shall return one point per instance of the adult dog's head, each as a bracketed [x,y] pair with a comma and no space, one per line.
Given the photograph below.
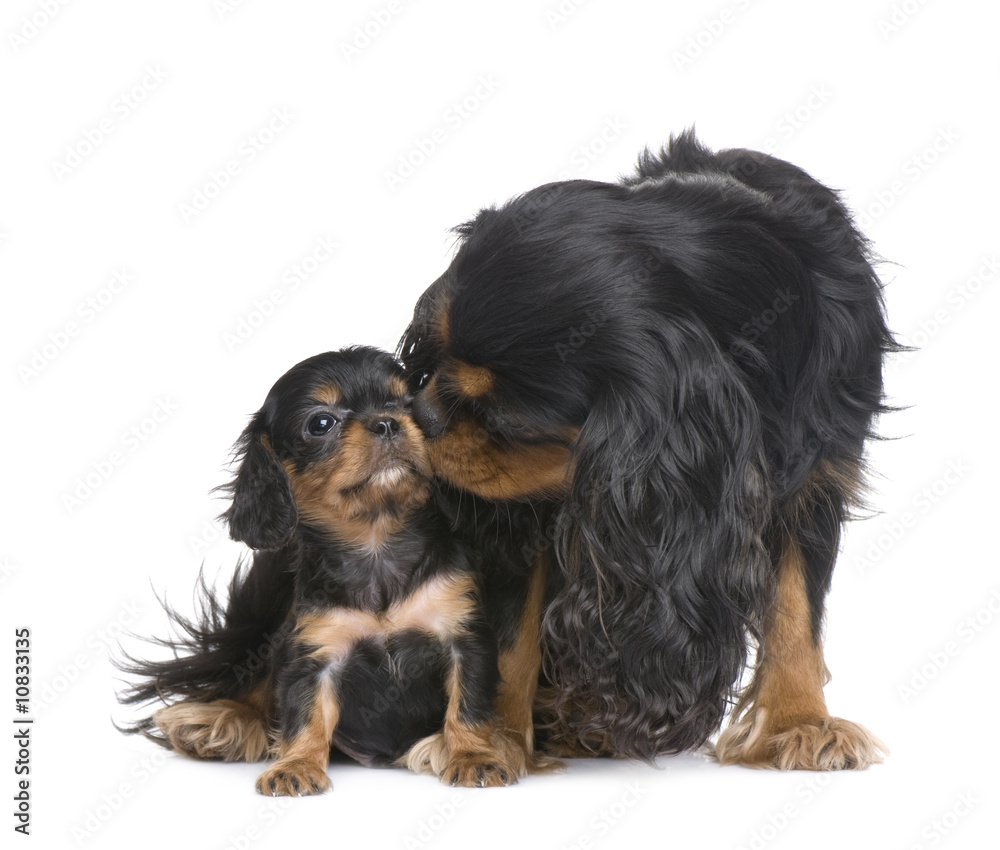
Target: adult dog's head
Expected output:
[530,328]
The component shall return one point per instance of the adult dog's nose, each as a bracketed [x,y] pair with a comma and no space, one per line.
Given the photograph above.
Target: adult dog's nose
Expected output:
[428,414]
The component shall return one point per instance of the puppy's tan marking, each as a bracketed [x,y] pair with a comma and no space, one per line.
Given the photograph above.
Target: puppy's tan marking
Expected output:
[363,493]
[328,394]
[439,607]
[301,766]
[397,386]
[483,755]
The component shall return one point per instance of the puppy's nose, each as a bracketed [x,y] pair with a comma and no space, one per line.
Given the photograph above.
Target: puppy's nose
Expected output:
[384,427]
[429,417]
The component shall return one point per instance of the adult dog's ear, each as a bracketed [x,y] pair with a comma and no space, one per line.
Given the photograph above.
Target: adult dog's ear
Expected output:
[262,513]
[665,573]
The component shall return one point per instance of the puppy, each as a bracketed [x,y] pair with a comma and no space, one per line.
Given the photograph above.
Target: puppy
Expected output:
[677,373]
[365,608]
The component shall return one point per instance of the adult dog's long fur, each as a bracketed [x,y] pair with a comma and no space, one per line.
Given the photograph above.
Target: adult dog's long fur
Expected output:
[685,366]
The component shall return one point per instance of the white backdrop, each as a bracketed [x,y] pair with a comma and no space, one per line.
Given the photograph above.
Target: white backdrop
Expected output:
[196,195]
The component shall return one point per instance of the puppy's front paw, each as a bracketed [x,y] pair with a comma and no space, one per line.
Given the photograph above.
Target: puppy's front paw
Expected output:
[293,778]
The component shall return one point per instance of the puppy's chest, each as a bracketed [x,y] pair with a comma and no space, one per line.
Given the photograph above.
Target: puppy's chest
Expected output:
[438,609]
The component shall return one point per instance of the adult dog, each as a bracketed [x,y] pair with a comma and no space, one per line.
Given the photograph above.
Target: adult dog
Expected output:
[676,374]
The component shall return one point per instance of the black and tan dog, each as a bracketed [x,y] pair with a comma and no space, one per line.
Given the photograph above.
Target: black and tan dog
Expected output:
[366,606]
[678,371]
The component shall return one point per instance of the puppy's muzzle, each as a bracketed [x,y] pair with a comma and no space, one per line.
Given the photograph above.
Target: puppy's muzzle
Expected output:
[385,428]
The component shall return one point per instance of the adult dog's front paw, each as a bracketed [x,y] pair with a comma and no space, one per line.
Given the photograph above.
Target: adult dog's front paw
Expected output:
[827,743]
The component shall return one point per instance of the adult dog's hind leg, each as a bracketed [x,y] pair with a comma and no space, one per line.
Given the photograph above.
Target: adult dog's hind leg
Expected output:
[782,720]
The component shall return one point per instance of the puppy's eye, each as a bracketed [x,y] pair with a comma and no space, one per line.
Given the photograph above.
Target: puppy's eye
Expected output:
[320,424]
[423,379]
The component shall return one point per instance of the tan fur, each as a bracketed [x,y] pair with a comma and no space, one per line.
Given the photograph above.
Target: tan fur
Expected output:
[782,721]
[481,756]
[846,478]
[466,456]
[301,766]
[519,666]
[329,394]
[224,729]
[363,494]
[471,381]
[440,326]
[397,386]
[439,607]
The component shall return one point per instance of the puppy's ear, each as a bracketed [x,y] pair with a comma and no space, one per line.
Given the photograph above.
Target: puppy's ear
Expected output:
[262,513]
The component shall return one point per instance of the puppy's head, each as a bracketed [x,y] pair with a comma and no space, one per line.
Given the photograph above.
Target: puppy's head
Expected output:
[333,447]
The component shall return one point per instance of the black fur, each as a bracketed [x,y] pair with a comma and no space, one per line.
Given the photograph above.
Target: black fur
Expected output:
[714,328]
[225,649]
